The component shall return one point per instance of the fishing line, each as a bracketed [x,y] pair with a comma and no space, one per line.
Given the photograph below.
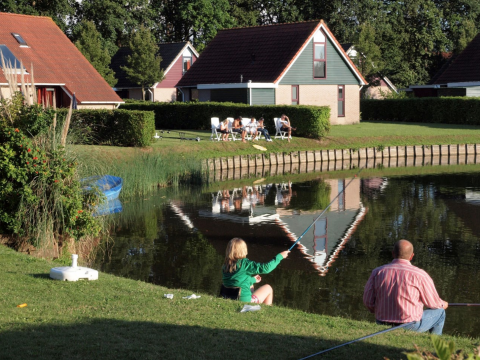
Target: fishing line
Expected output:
[362,338]
[331,202]
[462,304]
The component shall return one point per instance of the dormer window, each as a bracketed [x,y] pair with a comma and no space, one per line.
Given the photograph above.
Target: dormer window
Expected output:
[19,39]
[319,55]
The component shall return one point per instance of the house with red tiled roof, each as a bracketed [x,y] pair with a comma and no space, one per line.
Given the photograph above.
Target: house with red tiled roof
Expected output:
[459,76]
[294,63]
[176,60]
[57,68]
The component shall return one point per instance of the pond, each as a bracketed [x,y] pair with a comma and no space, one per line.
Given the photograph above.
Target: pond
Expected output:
[177,238]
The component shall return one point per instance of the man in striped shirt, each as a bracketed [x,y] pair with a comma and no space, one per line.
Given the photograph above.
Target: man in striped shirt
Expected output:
[397,292]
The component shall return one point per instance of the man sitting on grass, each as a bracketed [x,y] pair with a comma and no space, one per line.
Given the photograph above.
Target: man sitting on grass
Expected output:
[397,292]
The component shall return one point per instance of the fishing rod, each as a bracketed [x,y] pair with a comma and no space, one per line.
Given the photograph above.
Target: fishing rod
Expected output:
[462,304]
[331,202]
[359,339]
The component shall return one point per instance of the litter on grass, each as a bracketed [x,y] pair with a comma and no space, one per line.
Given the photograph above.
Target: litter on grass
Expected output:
[193,296]
[259,147]
[168,296]
[247,308]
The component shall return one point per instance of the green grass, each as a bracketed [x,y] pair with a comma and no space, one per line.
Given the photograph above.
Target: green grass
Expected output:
[116,318]
[364,134]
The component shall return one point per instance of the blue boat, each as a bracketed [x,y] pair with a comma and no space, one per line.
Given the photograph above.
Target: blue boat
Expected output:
[109,185]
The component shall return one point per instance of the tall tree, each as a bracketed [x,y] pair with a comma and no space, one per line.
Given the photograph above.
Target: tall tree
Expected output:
[369,56]
[90,44]
[143,64]
[197,21]
[61,11]
[114,19]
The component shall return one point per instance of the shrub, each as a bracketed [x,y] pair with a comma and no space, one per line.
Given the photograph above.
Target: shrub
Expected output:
[39,192]
[311,121]
[446,110]
[112,127]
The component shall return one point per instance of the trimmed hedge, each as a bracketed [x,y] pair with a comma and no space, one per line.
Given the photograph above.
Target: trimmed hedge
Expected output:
[447,110]
[112,127]
[310,121]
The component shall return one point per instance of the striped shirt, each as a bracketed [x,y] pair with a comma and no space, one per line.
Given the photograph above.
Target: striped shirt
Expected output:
[397,292]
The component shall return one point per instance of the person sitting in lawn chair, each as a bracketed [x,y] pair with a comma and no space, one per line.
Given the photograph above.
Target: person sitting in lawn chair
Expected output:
[238,128]
[287,126]
[223,128]
[261,129]
[251,128]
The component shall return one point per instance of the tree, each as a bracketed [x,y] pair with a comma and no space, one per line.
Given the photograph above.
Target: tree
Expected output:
[90,44]
[197,21]
[114,19]
[144,64]
[369,56]
[59,10]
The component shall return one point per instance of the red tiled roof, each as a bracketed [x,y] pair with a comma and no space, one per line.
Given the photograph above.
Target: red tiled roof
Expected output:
[258,53]
[463,68]
[55,58]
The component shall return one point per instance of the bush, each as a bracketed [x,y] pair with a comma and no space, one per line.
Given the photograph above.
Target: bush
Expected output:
[446,110]
[112,127]
[311,121]
[38,190]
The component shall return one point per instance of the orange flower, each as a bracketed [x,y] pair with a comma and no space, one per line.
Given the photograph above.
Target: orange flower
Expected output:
[28,163]
[80,211]
[29,150]
[16,130]
[56,181]
[35,158]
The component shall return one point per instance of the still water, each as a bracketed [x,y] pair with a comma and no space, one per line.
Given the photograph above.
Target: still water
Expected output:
[177,238]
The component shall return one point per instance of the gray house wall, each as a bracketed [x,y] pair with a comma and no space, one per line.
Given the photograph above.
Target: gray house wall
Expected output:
[301,72]
[263,96]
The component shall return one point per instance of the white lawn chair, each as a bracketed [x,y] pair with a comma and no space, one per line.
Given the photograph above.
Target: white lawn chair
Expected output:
[278,128]
[215,123]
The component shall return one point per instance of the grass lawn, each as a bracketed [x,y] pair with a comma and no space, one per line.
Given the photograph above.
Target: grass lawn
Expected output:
[117,318]
[365,134]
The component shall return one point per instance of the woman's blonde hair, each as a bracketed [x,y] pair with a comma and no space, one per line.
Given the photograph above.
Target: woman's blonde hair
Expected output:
[236,249]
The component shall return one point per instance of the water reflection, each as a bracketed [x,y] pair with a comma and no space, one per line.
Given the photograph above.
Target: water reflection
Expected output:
[179,239]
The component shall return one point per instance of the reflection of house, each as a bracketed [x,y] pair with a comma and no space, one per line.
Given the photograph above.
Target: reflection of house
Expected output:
[271,226]
[176,60]
[52,61]
[283,64]
[460,76]
[382,83]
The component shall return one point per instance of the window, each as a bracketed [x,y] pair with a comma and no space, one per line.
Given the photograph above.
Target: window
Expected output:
[295,94]
[20,40]
[319,60]
[10,60]
[187,62]
[341,100]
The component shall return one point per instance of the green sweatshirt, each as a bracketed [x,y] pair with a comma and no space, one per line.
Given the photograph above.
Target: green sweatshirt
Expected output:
[243,277]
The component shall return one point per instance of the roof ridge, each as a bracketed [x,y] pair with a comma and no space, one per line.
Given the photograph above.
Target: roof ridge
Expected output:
[24,15]
[174,42]
[276,24]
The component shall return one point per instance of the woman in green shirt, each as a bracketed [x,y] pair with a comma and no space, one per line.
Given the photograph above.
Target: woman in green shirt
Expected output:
[238,271]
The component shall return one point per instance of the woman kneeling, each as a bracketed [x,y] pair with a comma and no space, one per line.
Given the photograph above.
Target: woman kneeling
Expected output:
[238,271]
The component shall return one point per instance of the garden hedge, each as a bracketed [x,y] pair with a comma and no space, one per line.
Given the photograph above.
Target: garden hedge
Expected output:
[310,121]
[447,110]
[112,127]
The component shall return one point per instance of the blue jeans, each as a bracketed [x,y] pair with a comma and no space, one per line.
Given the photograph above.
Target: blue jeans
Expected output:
[265,133]
[432,321]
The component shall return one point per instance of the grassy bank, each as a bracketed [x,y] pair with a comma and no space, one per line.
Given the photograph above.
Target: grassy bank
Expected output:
[116,318]
[364,134]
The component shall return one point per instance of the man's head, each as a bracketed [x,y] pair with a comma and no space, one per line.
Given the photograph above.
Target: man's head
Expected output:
[403,249]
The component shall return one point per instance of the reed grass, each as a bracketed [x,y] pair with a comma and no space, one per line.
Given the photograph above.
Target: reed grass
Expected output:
[142,172]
